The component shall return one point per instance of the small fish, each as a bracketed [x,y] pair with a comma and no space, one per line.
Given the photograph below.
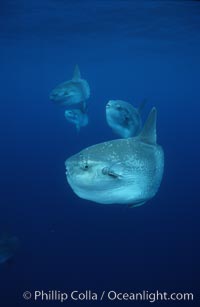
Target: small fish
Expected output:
[8,247]
[123,118]
[123,171]
[77,117]
[71,92]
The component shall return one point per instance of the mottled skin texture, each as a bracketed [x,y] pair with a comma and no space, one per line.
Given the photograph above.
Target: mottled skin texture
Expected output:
[123,118]
[123,171]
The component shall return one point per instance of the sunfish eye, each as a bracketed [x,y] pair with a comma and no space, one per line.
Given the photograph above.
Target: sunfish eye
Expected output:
[84,165]
[83,162]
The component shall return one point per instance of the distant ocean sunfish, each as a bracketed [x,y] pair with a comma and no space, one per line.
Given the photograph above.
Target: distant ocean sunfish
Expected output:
[77,117]
[71,92]
[8,247]
[123,118]
[122,171]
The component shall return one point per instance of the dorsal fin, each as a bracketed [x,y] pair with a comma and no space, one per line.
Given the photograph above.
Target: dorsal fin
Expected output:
[148,133]
[142,105]
[77,74]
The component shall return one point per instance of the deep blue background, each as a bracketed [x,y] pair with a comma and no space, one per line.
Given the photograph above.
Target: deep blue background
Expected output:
[127,50]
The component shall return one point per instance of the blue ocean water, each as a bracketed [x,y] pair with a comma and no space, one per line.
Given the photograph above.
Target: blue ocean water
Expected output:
[127,50]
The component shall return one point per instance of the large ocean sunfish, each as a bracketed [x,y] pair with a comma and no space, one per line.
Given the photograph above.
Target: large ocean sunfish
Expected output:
[122,171]
[71,92]
[123,118]
[77,117]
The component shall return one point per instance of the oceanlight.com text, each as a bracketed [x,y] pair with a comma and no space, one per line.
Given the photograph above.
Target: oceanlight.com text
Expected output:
[111,295]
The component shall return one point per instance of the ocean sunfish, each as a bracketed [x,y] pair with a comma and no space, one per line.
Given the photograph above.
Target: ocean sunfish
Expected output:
[77,117]
[71,92]
[8,247]
[122,171]
[123,118]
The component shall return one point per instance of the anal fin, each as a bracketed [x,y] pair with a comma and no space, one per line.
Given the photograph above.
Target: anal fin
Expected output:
[136,204]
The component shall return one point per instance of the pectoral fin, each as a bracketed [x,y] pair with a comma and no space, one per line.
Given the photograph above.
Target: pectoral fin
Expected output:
[108,171]
[117,170]
[136,204]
